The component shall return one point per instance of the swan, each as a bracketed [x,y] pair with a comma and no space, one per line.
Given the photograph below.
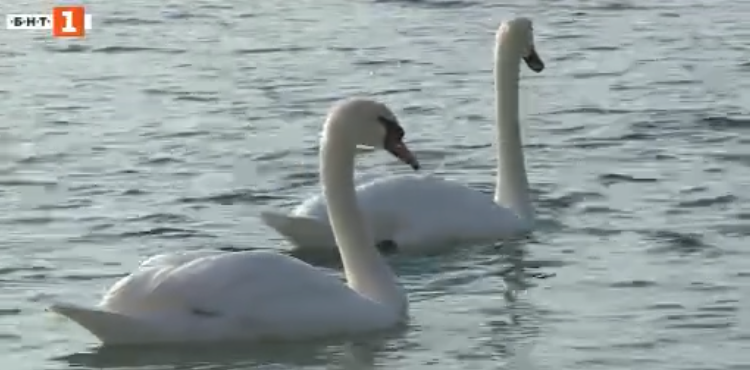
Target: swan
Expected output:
[418,213]
[261,295]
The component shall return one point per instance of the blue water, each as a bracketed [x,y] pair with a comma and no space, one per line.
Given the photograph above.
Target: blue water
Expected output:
[172,125]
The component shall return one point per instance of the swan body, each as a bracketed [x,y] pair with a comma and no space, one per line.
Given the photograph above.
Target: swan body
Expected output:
[424,213]
[248,295]
[261,295]
[439,213]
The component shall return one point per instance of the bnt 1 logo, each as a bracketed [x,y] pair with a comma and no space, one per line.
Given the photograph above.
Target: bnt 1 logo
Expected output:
[65,21]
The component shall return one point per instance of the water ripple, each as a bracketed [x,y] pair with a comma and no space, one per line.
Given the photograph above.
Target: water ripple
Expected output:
[171,126]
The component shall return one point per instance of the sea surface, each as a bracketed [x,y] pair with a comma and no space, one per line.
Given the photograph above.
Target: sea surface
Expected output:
[174,123]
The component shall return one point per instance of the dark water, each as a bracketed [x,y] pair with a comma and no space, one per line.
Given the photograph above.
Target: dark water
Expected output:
[175,123]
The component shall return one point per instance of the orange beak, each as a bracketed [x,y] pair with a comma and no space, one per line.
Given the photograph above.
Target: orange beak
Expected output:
[402,152]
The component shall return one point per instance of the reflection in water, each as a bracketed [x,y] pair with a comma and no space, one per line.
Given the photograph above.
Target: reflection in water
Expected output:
[352,353]
[512,340]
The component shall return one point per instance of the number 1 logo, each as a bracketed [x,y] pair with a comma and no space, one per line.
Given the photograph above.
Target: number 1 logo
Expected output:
[68,21]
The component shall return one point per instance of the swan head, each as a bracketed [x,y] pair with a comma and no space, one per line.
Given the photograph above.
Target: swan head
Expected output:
[370,124]
[517,35]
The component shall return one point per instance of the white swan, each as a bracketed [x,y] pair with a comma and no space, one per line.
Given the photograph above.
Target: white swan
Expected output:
[423,213]
[199,297]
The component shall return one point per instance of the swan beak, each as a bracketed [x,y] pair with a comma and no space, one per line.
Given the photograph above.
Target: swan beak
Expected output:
[534,61]
[402,152]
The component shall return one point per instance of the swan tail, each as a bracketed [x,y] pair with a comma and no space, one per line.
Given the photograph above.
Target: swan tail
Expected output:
[303,232]
[108,327]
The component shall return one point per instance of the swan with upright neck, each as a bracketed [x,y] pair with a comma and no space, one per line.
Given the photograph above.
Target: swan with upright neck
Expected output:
[201,297]
[416,214]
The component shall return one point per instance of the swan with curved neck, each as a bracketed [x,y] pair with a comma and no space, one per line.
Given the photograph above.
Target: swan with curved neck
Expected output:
[200,297]
[415,214]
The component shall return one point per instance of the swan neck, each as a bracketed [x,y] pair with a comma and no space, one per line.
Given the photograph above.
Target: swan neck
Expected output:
[366,270]
[512,188]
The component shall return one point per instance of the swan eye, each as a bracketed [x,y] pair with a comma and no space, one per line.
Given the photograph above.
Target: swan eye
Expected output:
[391,127]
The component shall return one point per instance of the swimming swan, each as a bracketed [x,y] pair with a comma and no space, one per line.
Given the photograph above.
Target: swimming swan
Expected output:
[415,214]
[252,295]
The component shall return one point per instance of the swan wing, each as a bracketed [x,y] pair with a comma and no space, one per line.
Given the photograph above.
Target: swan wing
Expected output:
[431,210]
[225,296]
[419,211]
[366,177]
[302,229]
[308,224]
[109,327]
